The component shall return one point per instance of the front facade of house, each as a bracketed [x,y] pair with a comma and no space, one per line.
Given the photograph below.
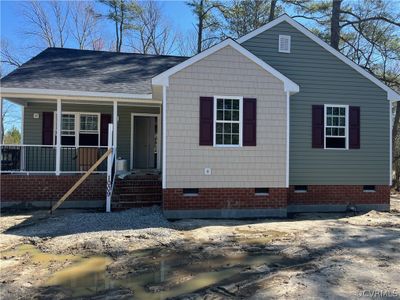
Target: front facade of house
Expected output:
[273,123]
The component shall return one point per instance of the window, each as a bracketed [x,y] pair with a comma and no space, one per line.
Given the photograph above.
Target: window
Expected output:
[284,43]
[89,130]
[228,121]
[79,129]
[89,123]
[300,189]
[68,129]
[336,120]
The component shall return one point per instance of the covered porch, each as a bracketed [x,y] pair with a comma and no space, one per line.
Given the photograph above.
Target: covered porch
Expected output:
[81,122]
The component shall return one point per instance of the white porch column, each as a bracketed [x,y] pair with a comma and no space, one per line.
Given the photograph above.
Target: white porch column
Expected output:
[1,120]
[164,137]
[115,125]
[58,138]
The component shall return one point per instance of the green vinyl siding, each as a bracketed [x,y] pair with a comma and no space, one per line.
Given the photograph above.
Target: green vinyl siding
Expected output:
[324,79]
[33,127]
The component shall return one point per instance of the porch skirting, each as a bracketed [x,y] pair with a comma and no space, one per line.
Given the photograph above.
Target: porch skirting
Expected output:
[42,190]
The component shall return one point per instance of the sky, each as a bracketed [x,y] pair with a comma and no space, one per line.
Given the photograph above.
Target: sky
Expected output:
[13,21]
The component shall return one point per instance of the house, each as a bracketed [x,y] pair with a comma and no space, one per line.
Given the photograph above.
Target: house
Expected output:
[273,123]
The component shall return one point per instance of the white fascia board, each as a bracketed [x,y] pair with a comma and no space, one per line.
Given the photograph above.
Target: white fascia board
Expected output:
[163,78]
[68,93]
[391,94]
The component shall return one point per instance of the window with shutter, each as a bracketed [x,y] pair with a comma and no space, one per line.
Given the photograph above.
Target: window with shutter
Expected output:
[336,123]
[228,121]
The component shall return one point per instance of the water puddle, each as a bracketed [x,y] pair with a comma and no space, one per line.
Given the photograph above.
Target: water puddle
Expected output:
[37,256]
[149,274]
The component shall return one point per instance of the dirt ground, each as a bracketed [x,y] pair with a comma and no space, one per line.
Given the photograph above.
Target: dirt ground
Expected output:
[140,255]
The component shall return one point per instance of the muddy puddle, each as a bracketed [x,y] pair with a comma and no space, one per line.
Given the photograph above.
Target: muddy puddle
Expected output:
[148,274]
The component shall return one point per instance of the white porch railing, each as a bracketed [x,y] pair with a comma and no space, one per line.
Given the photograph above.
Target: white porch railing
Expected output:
[21,158]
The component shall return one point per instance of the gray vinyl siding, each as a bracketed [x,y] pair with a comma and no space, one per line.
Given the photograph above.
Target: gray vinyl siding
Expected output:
[33,127]
[324,79]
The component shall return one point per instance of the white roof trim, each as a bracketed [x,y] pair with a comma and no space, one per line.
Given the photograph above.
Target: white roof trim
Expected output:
[392,95]
[163,78]
[68,93]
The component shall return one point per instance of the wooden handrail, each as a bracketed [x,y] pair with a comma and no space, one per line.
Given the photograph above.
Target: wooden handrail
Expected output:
[82,179]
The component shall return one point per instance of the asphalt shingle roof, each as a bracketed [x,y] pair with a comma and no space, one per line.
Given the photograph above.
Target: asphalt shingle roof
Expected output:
[90,71]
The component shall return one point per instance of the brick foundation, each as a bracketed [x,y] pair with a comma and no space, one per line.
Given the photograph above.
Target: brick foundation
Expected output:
[339,195]
[42,188]
[224,198]
[28,188]
[281,200]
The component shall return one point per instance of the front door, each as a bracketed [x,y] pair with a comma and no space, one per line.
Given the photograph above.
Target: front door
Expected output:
[144,142]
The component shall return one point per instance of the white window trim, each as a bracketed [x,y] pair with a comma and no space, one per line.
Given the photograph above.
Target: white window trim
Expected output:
[78,126]
[240,98]
[288,37]
[346,123]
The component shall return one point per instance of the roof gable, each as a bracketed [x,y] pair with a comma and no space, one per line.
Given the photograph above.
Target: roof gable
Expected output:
[391,94]
[163,78]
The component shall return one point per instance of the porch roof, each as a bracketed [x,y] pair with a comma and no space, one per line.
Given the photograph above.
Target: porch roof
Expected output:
[90,71]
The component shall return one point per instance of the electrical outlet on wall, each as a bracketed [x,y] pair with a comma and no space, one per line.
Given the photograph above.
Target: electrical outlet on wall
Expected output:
[207,171]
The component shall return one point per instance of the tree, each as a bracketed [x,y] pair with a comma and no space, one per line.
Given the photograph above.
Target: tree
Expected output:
[12,136]
[153,34]
[8,58]
[10,115]
[207,24]
[243,16]
[123,13]
[272,10]
[334,16]
[48,22]
[84,24]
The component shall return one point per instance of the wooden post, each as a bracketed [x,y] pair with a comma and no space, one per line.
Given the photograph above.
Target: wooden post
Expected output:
[109,168]
[58,138]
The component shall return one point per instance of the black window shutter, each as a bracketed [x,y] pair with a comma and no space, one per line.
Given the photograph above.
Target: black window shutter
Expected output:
[249,122]
[104,121]
[354,127]
[47,128]
[206,121]
[318,126]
